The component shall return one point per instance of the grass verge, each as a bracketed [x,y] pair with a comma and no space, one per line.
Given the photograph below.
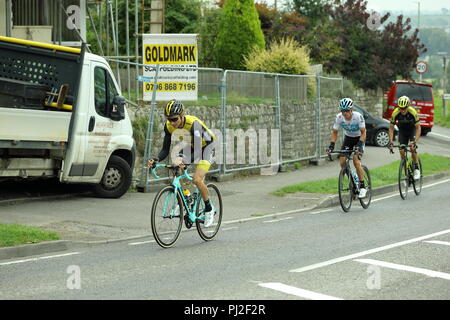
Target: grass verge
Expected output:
[380,176]
[438,116]
[14,234]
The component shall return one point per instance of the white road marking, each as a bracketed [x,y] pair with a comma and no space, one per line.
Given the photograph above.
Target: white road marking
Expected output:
[427,272]
[297,291]
[317,212]
[363,253]
[142,242]
[277,220]
[440,135]
[40,258]
[267,215]
[230,228]
[411,190]
[439,242]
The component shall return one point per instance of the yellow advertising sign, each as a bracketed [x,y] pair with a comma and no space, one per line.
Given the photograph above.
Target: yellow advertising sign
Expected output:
[170,54]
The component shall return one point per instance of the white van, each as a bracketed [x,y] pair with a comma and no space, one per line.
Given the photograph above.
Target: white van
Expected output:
[62,115]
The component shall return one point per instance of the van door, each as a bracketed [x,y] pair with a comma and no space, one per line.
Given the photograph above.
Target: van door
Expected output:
[101,128]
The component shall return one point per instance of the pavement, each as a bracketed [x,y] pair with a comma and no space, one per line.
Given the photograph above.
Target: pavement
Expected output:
[83,220]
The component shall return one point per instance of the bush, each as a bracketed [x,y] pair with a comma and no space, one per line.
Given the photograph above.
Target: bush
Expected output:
[239,31]
[284,56]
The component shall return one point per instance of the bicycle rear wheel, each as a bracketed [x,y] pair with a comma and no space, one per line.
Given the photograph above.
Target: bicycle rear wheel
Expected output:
[215,198]
[418,183]
[403,179]
[365,202]
[345,188]
[167,217]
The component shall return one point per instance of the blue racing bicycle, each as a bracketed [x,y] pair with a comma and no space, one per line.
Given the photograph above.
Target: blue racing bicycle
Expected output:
[171,202]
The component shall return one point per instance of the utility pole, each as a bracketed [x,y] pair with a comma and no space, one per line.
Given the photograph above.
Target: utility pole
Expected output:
[444,82]
[418,27]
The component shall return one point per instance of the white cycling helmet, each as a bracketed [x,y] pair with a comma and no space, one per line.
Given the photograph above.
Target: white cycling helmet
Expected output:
[346,104]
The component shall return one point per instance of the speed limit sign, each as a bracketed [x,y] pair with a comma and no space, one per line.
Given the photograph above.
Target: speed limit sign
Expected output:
[421,67]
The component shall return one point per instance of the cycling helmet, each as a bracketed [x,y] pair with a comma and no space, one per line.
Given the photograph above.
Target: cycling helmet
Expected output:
[403,102]
[346,104]
[174,108]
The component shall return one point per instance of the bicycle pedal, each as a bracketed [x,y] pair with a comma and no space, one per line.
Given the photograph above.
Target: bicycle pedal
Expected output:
[187,222]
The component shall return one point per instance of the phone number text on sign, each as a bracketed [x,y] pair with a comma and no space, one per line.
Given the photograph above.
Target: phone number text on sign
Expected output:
[171,86]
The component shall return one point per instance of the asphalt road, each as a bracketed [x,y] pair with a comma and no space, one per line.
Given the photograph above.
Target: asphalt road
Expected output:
[394,250]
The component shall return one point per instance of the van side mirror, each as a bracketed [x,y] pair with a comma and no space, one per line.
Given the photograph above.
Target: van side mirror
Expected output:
[118,108]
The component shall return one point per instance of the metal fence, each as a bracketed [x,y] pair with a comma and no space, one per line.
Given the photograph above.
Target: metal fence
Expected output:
[289,115]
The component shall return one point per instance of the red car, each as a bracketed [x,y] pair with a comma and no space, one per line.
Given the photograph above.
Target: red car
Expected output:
[421,96]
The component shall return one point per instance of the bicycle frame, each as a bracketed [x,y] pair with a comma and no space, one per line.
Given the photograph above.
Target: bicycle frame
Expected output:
[348,156]
[408,160]
[178,189]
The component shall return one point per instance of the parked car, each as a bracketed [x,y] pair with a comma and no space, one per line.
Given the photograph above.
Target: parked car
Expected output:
[377,128]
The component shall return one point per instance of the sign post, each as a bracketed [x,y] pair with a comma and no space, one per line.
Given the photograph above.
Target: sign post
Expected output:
[421,68]
[445,97]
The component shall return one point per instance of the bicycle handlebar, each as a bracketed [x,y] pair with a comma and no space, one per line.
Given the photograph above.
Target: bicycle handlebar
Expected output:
[172,167]
[349,151]
[402,146]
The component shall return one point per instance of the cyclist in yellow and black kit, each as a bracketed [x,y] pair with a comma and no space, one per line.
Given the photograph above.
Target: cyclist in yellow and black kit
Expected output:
[407,120]
[201,148]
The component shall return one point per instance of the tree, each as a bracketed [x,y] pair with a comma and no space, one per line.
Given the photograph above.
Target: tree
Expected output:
[182,16]
[435,39]
[316,11]
[239,31]
[207,44]
[369,57]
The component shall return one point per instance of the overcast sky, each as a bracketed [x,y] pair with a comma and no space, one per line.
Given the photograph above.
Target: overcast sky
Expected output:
[395,5]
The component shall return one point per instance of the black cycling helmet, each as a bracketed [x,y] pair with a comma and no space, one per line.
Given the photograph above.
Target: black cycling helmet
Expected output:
[174,108]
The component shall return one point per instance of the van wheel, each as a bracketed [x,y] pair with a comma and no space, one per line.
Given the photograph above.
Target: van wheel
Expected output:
[116,179]
[424,131]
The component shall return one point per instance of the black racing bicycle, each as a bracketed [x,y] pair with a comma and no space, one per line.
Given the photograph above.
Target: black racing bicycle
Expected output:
[406,173]
[348,185]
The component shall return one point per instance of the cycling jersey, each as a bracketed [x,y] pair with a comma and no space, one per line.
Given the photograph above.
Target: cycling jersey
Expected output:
[407,121]
[352,127]
[198,133]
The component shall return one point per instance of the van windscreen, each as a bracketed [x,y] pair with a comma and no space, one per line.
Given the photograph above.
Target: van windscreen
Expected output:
[413,92]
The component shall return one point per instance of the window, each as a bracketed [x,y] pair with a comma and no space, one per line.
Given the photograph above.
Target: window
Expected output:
[105,91]
[413,92]
[100,91]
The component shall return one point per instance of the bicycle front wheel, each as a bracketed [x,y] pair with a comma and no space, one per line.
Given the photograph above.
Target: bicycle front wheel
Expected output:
[418,183]
[345,188]
[365,202]
[215,198]
[167,217]
[403,179]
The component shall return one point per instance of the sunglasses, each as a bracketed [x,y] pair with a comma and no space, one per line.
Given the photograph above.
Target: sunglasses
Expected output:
[173,119]
[345,111]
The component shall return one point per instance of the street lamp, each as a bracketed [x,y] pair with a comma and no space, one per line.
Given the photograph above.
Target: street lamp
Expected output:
[418,25]
[444,65]
[444,81]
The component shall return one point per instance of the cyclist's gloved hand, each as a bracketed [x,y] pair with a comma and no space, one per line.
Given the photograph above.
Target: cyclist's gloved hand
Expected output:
[360,146]
[331,147]
[390,146]
[152,162]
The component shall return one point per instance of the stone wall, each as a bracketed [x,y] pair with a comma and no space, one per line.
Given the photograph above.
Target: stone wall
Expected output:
[300,127]
[371,100]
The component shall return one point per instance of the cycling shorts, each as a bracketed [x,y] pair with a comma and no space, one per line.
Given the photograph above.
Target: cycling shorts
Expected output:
[406,135]
[348,144]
